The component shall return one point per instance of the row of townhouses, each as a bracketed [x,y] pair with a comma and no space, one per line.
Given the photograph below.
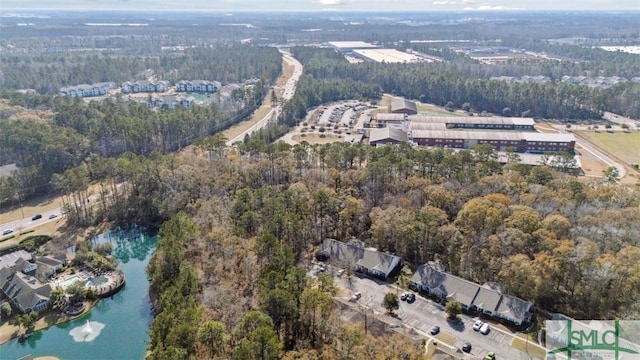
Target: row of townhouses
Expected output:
[202,86]
[24,279]
[170,101]
[144,86]
[487,299]
[141,86]
[86,90]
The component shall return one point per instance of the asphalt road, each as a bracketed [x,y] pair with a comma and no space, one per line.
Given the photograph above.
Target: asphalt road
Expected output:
[25,224]
[289,90]
[424,314]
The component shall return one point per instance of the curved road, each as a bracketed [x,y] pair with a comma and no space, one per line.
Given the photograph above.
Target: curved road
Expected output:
[289,90]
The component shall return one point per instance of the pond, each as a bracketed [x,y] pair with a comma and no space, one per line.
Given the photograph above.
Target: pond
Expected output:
[117,327]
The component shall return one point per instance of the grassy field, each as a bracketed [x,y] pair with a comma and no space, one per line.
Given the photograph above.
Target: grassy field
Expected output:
[446,338]
[435,111]
[625,146]
[533,350]
[428,109]
[287,72]
[258,115]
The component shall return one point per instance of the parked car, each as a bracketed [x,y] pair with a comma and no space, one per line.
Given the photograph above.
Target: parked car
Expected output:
[484,330]
[404,295]
[355,297]
[490,356]
[477,325]
[53,216]
[435,330]
[7,231]
[411,298]
[36,217]
[466,347]
[340,272]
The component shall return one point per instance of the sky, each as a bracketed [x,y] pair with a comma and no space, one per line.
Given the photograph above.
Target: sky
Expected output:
[319,5]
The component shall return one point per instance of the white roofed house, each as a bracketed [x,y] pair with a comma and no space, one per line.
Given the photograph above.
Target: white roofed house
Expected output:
[198,86]
[361,259]
[170,101]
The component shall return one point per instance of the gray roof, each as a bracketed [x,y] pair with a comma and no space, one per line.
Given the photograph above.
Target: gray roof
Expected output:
[390,117]
[427,126]
[25,291]
[11,259]
[388,133]
[22,265]
[399,104]
[491,135]
[356,254]
[471,294]
[487,298]
[48,260]
[494,120]
[512,307]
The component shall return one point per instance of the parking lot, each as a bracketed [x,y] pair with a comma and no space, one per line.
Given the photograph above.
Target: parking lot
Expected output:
[423,314]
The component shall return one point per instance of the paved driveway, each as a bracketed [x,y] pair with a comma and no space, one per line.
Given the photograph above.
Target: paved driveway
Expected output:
[424,314]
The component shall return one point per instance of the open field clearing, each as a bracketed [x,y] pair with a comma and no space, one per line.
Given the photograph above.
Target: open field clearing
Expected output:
[238,129]
[623,145]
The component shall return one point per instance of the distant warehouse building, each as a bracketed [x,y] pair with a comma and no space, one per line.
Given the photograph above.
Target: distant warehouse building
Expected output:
[387,135]
[403,106]
[419,122]
[389,120]
[349,46]
[524,142]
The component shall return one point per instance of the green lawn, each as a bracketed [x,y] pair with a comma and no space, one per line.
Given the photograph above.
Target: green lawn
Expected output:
[434,111]
[624,145]
[533,350]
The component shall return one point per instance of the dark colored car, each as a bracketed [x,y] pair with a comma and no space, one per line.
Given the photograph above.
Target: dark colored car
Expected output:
[466,347]
[36,217]
[411,298]
[435,330]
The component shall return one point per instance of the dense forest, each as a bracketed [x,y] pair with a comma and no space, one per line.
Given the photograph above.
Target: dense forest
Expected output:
[227,63]
[441,83]
[80,133]
[247,220]
[238,223]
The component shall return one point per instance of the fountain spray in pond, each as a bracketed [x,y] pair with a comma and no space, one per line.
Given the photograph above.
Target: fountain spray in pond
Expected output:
[87,332]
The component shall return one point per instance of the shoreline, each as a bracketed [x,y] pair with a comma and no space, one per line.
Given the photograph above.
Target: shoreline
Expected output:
[10,332]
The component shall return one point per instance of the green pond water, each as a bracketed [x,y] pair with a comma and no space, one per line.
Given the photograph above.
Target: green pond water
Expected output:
[117,327]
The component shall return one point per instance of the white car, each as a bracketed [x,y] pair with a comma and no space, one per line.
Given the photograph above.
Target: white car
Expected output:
[7,231]
[340,272]
[355,297]
[477,325]
[484,330]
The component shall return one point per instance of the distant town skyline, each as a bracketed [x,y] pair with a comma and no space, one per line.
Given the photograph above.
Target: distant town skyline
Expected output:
[324,5]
